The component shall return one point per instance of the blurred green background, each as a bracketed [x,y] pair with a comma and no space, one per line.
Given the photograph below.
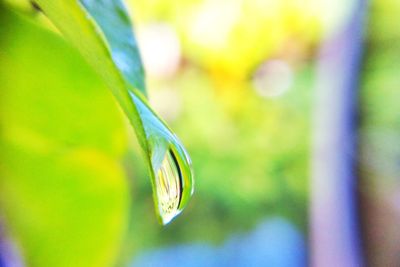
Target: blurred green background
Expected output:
[236,88]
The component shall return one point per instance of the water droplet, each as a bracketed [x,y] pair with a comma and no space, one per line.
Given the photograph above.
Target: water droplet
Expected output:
[172,176]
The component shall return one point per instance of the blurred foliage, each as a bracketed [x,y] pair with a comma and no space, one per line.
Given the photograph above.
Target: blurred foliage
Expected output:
[230,38]
[62,189]
[380,135]
[380,125]
[250,153]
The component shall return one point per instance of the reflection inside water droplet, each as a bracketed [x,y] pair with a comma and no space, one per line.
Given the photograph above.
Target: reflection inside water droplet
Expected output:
[172,175]
[168,183]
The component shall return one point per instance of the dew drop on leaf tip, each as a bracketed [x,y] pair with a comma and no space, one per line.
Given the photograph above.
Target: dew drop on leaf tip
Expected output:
[171,165]
[168,183]
[173,185]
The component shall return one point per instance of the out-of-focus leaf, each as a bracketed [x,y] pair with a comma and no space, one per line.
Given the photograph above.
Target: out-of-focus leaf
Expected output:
[63,194]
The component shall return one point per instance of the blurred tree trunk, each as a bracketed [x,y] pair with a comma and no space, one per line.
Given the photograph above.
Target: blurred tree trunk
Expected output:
[335,232]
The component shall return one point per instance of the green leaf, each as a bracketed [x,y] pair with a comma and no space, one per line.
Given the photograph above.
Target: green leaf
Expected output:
[101,30]
[63,194]
[114,22]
